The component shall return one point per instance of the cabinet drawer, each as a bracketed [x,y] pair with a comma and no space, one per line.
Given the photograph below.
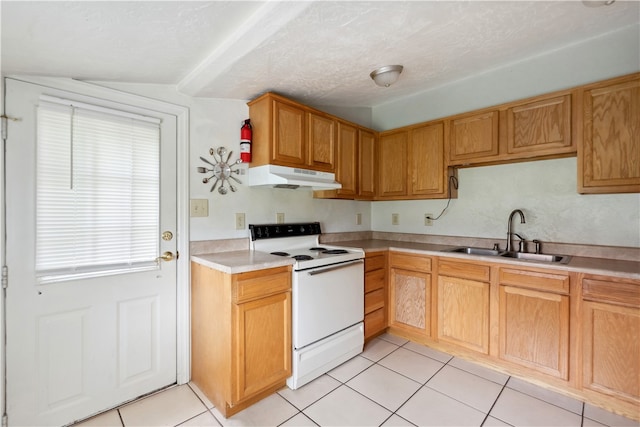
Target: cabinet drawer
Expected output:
[374,280]
[374,322]
[373,300]
[410,262]
[538,280]
[464,270]
[621,293]
[257,284]
[374,262]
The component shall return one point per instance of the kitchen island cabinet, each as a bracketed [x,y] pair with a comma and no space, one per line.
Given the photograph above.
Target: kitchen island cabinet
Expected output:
[611,337]
[534,319]
[240,334]
[463,304]
[410,294]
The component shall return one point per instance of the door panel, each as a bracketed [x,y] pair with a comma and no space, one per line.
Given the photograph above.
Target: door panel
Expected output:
[78,347]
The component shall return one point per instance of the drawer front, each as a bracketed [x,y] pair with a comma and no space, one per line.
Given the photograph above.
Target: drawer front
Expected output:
[537,280]
[374,280]
[464,270]
[621,293]
[374,262]
[410,262]
[373,300]
[374,322]
[252,286]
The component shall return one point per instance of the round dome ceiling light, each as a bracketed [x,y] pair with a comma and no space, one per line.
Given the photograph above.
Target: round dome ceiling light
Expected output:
[387,75]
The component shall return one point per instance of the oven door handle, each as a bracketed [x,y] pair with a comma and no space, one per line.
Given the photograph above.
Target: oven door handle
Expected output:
[335,267]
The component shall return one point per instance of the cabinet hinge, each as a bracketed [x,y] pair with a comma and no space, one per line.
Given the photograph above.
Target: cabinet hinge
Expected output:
[5,277]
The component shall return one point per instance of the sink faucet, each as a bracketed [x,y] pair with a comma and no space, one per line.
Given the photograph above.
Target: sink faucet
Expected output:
[509,232]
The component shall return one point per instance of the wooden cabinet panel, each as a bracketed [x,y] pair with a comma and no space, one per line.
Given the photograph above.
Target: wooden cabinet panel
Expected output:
[375,280]
[392,164]
[464,270]
[473,136]
[255,284]
[374,262]
[609,157]
[426,160]
[366,165]
[463,313]
[262,344]
[321,141]
[407,261]
[289,142]
[611,355]
[410,296]
[373,300]
[374,322]
[347,164]
[375,294]
[540,126]
[534,330]
[535,279]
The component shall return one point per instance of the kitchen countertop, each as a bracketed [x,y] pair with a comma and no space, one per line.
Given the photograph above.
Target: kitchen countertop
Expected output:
[247,260]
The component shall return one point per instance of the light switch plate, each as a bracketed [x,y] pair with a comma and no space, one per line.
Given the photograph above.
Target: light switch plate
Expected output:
[395,219]
[199,207]
[239,221]
[280,218]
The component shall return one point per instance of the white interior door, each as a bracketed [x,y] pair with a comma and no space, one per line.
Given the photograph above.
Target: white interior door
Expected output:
[78,347]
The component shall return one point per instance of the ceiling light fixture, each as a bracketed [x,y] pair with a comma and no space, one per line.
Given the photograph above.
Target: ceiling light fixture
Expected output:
[387,75]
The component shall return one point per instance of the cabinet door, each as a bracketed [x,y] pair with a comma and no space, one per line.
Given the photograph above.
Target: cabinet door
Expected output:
[611,139]
[347,167]
[463,313]
[534,330]
[322,147]
[289,138]
[366,164]
[426,160]
[262,344]
[410,296]
[392,165]
[474,136]
[540,127]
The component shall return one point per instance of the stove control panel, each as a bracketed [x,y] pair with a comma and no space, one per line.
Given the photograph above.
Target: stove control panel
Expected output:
[272,231]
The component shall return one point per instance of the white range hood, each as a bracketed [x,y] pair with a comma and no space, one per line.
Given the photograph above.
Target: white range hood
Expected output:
[287,177]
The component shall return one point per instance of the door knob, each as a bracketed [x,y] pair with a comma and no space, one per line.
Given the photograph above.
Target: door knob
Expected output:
[167,256]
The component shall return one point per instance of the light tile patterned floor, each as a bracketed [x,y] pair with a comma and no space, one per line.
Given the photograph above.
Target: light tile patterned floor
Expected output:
[392,383]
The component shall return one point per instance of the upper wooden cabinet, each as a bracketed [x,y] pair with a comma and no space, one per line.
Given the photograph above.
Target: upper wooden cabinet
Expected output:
[347,164]
[609,156]
[286,133]
[412,163]
[366,165]
[539,127]
[473,136]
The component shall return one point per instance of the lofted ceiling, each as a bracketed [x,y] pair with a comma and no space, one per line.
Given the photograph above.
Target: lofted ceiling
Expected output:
[318,52]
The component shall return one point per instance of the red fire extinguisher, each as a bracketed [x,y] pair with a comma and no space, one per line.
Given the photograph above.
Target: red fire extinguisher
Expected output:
[245,141]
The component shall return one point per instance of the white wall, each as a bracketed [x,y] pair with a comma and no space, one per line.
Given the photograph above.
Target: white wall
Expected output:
[546,190]
[216,122]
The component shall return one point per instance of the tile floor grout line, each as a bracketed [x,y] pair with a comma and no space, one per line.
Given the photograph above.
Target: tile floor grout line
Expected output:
[544,401]
[120,416]
[494,403]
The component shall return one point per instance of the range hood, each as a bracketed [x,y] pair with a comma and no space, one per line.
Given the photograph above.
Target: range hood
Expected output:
[287,177]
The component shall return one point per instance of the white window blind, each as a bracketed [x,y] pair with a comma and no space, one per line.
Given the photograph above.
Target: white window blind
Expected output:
[97,190]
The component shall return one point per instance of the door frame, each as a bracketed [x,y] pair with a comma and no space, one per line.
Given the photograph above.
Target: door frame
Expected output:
[183,315]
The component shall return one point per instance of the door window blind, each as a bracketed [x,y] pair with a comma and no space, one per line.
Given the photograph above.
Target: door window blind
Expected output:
[98,184]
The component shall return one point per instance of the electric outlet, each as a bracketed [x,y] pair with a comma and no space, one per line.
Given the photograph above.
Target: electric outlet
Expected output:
[280,218]
[239,221]
[358,219]
[428,219]
[395,219]
[199,207]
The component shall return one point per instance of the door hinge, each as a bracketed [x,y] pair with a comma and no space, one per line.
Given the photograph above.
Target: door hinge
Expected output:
[5,277]
[5,420]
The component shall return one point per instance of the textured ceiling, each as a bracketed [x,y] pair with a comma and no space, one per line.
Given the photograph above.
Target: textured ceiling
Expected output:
[319,52]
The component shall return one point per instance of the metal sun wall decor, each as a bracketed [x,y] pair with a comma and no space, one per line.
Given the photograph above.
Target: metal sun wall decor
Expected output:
[221,170]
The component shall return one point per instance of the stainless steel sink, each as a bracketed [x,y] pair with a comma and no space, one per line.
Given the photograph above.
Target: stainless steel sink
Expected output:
[558,259]
[475,251]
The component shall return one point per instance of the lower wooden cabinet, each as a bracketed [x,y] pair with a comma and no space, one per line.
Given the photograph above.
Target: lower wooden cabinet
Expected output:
[375,294]
[240,334]
[534,320]
[611,337]
[463,304]
[410,293]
